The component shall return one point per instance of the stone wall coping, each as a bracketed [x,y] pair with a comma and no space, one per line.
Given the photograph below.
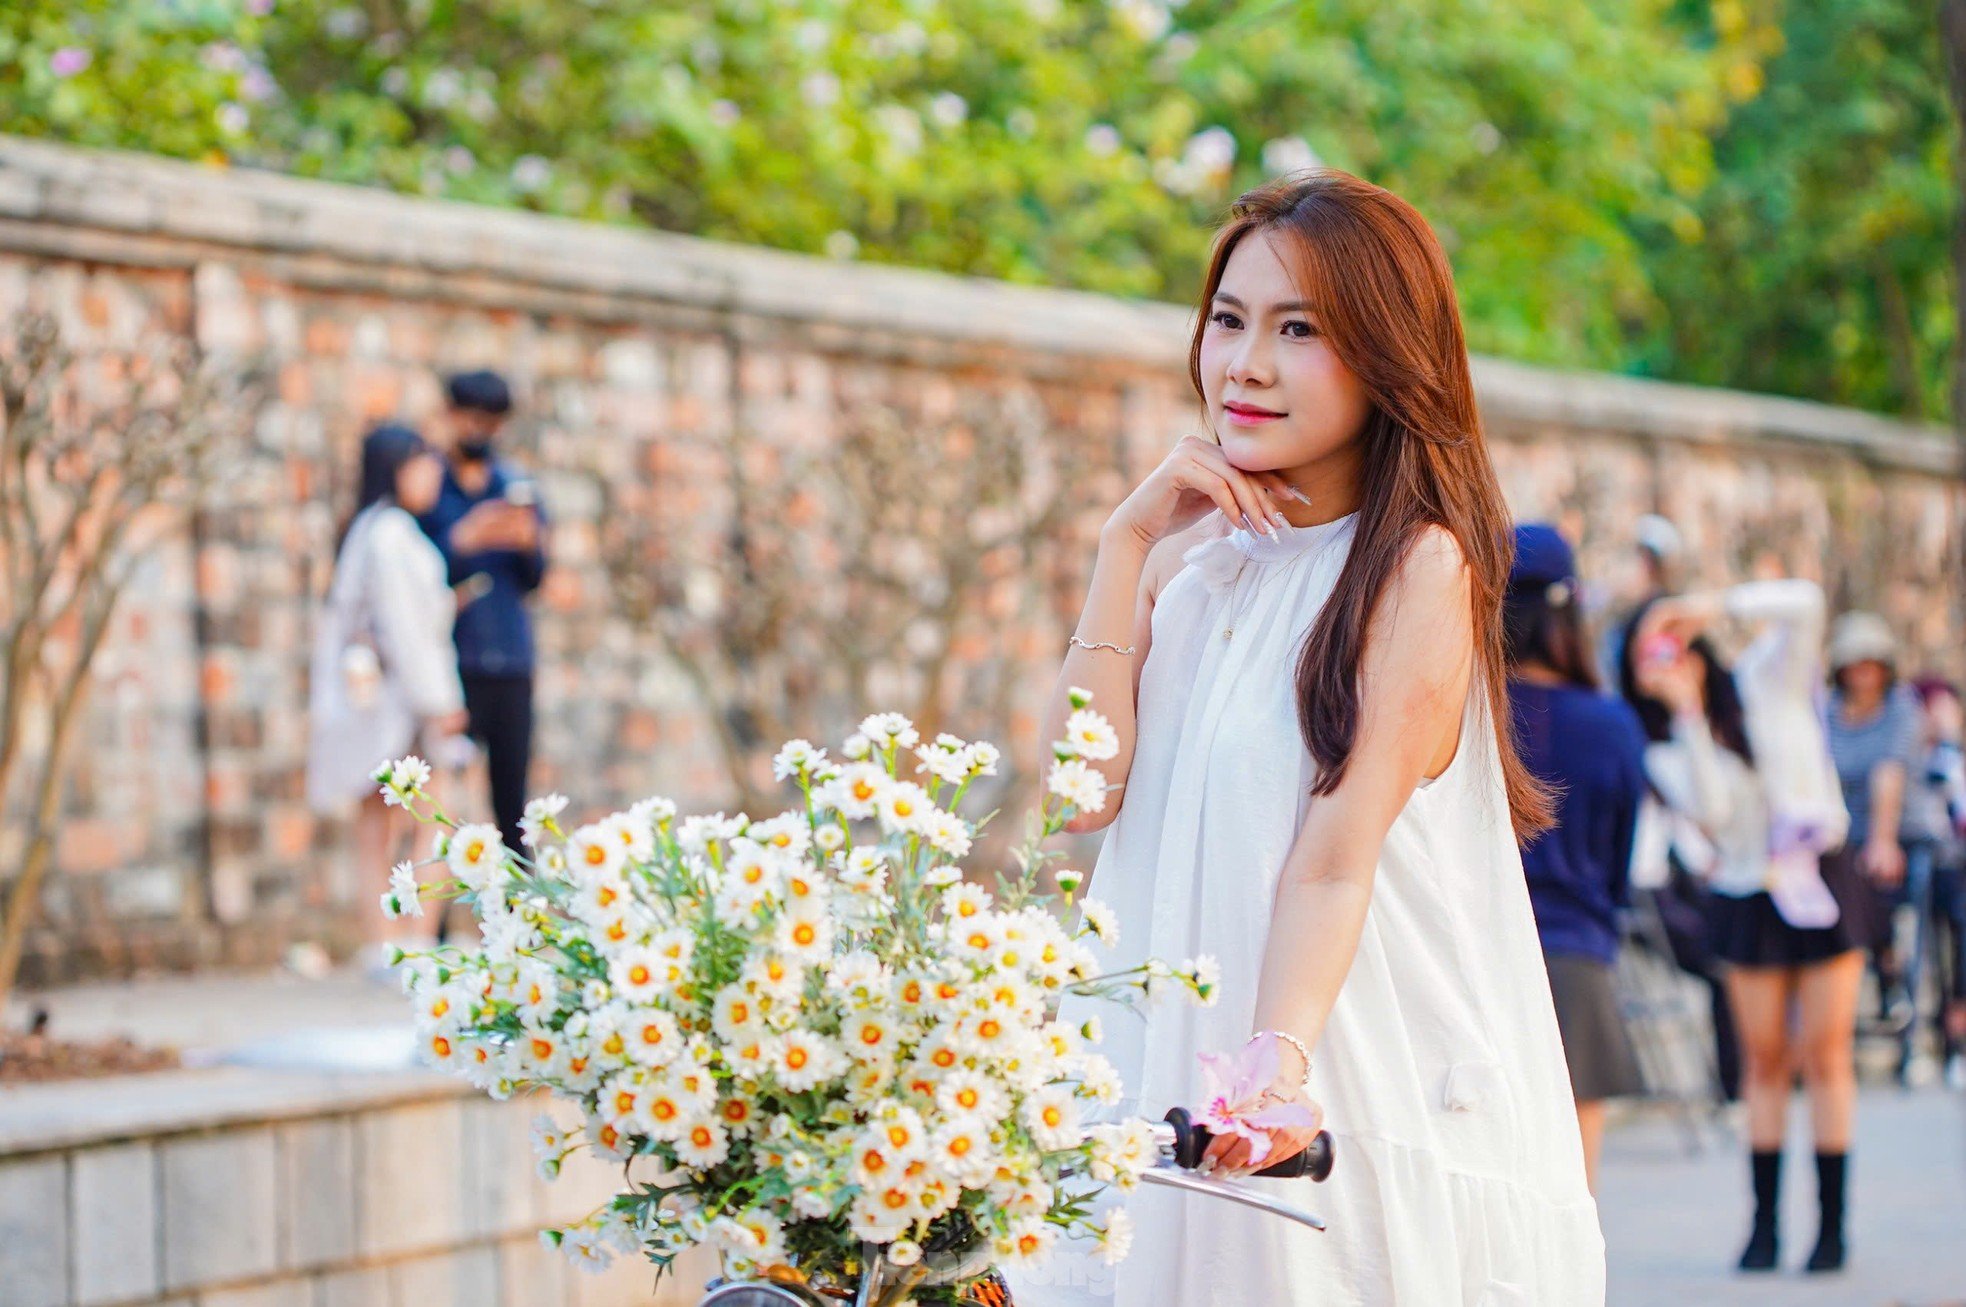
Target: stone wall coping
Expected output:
[43,1118]
[45,185]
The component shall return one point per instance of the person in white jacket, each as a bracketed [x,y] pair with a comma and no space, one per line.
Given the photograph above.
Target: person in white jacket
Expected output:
[384,672]
[1743,757]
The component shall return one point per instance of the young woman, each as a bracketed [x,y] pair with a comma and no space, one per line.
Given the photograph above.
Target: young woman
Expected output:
[1589,749]
[1743,756]
[384,676]
[1316,786]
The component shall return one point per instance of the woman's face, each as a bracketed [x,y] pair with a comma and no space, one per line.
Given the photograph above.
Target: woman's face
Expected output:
[418,482]
[1866,681]
[1278,395]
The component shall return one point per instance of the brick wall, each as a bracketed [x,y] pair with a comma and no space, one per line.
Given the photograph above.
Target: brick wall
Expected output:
[673,364]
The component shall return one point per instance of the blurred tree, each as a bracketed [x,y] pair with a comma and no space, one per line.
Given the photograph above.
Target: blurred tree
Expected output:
[1821,262]
[1565,151]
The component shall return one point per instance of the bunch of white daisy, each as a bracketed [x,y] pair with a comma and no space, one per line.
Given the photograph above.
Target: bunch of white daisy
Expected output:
[830,1045]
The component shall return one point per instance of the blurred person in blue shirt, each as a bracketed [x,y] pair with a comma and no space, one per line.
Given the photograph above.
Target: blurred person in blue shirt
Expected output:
[1590,749]
[491,527]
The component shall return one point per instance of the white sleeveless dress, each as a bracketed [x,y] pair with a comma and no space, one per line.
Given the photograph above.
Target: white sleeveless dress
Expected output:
[1459,1179]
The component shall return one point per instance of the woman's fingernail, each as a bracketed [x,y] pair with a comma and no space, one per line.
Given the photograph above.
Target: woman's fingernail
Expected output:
[1270,530]
[1279,518]
[1299,495]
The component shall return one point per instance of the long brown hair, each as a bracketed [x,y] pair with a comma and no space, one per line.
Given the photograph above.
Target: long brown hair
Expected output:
[1385,300]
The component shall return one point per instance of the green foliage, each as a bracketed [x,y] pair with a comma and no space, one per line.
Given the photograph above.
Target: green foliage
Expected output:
[1822,265]
[1597,170]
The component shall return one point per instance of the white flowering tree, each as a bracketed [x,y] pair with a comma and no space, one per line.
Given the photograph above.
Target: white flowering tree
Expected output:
[889,562]
[99,453]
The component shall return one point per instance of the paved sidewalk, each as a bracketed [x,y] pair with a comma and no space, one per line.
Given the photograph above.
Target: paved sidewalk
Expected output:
[1674,1220]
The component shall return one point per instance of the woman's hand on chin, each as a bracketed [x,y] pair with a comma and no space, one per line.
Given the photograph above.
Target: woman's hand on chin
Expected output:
[1194,479]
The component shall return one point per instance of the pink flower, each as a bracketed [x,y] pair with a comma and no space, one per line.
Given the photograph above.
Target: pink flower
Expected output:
[68,61]
[1234,1102]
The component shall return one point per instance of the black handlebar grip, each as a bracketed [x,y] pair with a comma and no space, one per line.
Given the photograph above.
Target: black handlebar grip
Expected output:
[1191,1141]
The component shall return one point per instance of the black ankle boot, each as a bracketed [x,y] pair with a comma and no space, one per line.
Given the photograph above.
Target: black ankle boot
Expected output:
[1831,1170]
[1759,1255]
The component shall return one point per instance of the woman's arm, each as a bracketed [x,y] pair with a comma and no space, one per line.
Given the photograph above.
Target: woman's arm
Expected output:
[1119,609]
[1194,480]
[1414,682]
[414,652]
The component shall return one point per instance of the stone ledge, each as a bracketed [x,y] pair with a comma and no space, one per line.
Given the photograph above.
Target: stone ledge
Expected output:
[159,212]
[50,1118]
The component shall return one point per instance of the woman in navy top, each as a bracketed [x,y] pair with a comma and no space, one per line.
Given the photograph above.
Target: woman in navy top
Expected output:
[1590,750]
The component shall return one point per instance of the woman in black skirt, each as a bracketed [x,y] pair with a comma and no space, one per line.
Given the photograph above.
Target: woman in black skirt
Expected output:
[1743,755]
[1588,748]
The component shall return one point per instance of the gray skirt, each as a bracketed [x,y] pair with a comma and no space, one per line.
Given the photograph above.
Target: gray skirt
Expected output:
[1602,1063]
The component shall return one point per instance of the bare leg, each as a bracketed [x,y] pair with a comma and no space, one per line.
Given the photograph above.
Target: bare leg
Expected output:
[380,835]
[1590,1123]
[1760,998]
[1827,997]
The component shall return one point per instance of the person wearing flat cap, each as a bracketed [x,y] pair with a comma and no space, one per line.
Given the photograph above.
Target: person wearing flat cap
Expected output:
[1590,750]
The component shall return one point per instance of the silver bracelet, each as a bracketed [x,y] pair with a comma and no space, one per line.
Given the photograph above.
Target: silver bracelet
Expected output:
[1101,644]
[1295,1043]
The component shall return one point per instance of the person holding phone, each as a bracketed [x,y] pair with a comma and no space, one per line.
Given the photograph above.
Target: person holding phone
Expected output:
[491,527]
[1741,753]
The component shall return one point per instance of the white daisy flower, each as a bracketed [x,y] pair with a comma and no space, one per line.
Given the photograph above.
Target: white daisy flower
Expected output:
[654,811]
[829,838]
[595,853]
[653,1037]
[1101,921]
[639,974]
[1091,735]
[857,789]
[971,1093]
[794,757]
[636,837]
[883,1215]
[944,764]
[861,869]
[889,730]
[1052,1117]
[1074,781]
[401,778]
[870,1036]
[960,1148]
[960,902]
[805,937]
[948,834]
[1029,1239]
[539,814]
[702,1144]
[1116,1239]
[586,1250]
[983,757]
[856,747]
[475,854]
[904,807]
[805,1059]
[737,1014]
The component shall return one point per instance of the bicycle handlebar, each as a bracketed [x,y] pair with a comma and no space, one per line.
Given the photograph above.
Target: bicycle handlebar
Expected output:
[1191,1141]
